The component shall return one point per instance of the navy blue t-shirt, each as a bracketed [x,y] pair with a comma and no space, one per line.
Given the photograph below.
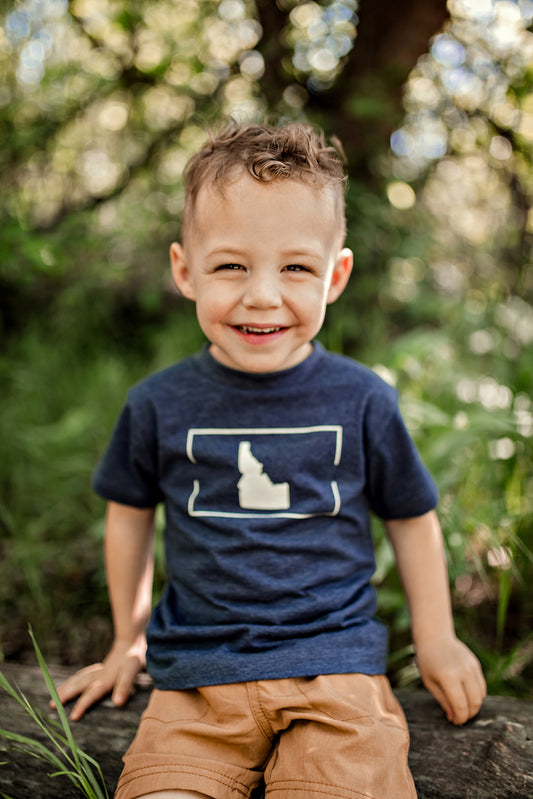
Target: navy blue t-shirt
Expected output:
[267,482]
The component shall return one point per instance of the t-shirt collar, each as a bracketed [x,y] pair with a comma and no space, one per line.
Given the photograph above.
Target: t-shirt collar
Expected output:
[212,368]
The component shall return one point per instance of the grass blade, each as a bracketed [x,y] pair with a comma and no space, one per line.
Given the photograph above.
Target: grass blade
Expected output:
[55,696]
[32,747]
[73,762]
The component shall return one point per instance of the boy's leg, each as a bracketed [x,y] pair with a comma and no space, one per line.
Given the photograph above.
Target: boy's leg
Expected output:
[202,741]
[350,742]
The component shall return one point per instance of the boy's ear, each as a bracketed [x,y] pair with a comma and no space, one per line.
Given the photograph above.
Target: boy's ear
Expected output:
[341,274]
[180,271]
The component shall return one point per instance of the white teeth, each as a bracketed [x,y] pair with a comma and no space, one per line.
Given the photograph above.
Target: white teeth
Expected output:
[246,329]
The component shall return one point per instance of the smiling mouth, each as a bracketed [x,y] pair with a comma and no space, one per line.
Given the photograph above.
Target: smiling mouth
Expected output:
[258,331]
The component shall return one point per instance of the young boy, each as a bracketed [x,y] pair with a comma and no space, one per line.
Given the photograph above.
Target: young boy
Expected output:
[268,453]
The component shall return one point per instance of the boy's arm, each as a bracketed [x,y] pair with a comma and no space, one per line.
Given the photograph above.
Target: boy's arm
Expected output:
[129,560]
[449,670]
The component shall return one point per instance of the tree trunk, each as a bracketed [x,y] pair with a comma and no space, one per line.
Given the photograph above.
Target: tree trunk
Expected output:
[364,105]
[491,757]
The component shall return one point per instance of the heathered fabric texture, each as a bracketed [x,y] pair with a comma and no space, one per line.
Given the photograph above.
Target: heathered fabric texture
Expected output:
[267,481]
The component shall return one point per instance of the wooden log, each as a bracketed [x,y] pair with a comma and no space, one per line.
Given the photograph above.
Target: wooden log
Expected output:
[491,757]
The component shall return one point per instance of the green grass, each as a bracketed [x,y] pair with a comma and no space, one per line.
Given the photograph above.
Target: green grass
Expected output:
[60,752]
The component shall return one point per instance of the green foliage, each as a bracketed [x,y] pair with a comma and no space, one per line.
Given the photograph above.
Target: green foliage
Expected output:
[480,456]
[64,394]
[64,756]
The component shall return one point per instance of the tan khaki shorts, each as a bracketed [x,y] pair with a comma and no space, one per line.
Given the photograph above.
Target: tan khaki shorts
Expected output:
[340,735]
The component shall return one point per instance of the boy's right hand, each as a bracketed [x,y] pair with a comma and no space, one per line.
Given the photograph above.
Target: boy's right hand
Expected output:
[115,675]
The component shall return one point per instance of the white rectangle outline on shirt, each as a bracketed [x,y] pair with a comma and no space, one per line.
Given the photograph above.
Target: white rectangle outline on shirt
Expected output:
[212,431]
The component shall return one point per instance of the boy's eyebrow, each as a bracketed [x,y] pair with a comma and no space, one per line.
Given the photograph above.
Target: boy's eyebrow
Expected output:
[300,252]
[227,250]
[296,252]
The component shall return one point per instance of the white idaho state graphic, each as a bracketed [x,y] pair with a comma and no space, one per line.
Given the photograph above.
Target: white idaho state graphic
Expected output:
[256,489]
[255,494]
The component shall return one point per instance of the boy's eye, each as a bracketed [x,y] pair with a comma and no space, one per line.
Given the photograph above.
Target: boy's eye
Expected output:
[231,267]
[296,268]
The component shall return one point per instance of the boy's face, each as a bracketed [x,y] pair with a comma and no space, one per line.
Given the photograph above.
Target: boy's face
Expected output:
[262,261]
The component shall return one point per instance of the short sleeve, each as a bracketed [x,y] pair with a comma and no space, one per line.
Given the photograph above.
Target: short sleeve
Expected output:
[398,484]
[128,470]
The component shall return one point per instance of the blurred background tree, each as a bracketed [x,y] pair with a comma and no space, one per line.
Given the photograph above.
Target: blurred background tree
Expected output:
[102,102]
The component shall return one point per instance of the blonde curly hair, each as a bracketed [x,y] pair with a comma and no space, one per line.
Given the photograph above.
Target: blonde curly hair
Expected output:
[295,151]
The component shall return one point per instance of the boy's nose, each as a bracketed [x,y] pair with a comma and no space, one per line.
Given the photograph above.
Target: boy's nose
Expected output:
[262,291]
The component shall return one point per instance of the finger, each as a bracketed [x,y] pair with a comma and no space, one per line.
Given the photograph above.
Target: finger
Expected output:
[451,695]
[467,700]
[125,682]
[460,693]
[461,709]
[476,691]
[473,688]
[435,690]
[96,691]
[481,682]
[77,683]
[458,697]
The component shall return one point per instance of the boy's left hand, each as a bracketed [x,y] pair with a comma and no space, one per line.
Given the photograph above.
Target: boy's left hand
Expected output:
[452,673]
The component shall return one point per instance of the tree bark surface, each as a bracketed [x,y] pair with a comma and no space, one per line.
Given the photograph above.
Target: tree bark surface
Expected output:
[491,757]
